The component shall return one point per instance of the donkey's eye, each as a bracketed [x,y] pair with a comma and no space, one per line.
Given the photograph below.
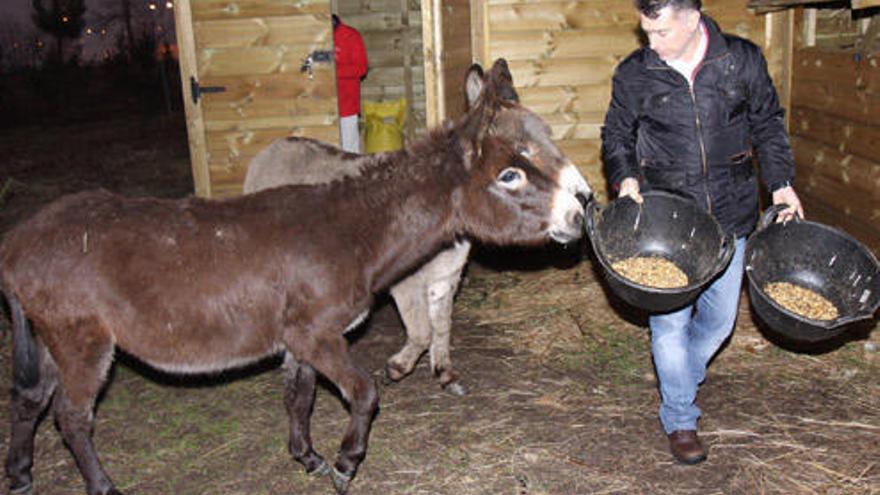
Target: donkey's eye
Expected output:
[511,178]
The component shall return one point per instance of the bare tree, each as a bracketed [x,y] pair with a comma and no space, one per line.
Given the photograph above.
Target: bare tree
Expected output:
[20,48]
[61,19]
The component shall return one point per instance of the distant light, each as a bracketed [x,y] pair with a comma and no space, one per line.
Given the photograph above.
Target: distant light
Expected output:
[15,45]
[64,18]
[169,5]
[103,31]
[151,6]
[89,31]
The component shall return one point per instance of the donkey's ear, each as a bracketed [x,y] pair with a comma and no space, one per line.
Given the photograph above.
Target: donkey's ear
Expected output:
[501,81]
[473,85]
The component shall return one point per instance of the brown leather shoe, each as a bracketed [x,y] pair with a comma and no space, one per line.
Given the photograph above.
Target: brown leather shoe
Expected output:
[686,447]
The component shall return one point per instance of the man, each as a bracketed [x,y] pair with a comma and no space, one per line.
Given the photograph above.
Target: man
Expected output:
[686,115]
[351,67]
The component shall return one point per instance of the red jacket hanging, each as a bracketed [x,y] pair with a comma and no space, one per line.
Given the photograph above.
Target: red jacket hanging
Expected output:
[351,66]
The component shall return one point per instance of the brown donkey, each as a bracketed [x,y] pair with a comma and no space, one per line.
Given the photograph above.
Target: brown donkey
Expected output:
[424,298]
[198,286]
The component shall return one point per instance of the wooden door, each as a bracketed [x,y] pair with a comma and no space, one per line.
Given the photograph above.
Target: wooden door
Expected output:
[240,63]
[446,35]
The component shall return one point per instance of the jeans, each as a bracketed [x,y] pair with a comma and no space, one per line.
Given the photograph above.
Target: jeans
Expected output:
[683,342]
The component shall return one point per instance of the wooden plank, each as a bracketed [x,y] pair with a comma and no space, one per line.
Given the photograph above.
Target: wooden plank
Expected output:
[865,4]
[527,45]
[480,33]
[406,59]
[847,137]
[560,15]
[819,211]
[838,84]
[248,89]
[383,20]
[273,31]
[256,60]
[457,54]
[839,196]
[861,176]
[562,72]
[433,47]
[349,7]
[195,123]
[228,9]
[562,99]
[778,49]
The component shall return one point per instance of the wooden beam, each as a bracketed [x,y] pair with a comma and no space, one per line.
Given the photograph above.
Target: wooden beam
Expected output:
[864,4]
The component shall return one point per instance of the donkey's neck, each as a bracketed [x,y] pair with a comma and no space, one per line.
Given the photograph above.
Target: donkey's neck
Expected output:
[411,198]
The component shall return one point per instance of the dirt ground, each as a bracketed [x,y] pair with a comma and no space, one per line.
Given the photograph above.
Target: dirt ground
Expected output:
[562,397]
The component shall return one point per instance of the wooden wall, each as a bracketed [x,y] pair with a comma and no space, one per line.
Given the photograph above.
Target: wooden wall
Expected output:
[252,50]
[563,55]
[835,130]
[392,32]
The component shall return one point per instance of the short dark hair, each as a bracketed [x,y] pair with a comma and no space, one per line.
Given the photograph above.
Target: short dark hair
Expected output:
[651,8]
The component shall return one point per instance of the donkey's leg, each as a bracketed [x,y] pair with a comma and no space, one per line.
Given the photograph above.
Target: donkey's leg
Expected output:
[444,274]
[331,358]
[82,372]
[28,403]
[299,396]
[410,295]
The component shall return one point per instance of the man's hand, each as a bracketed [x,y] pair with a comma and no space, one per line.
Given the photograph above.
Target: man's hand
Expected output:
[785,195]
[630,187]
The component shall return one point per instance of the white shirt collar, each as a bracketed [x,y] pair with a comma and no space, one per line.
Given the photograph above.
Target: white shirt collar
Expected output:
[688,68]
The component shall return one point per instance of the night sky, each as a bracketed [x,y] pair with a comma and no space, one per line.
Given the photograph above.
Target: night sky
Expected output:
[18,12]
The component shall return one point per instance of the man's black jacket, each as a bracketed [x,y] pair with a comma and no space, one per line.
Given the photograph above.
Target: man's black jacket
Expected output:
[699,143]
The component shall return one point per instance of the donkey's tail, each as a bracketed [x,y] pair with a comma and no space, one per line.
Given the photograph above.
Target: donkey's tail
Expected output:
[25,350]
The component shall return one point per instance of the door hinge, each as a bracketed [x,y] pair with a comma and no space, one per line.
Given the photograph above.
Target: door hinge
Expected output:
[196,90]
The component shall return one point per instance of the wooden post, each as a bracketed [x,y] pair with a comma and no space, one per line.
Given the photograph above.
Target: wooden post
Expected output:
[809,27]
[779,47]
[480,32]
[195,123]
[433,48]
[407,67]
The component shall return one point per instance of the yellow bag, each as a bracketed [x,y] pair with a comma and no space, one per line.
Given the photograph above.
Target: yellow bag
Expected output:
[383,125]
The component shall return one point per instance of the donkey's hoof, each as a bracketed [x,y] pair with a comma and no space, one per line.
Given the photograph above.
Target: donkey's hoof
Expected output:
[393,374]
[322,469]
[340,481]
[455,388]
[22,490]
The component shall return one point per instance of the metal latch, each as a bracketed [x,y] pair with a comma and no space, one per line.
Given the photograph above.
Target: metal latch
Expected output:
[314,57]
[196,90]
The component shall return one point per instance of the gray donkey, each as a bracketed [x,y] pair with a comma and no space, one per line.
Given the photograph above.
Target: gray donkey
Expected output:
[424,298]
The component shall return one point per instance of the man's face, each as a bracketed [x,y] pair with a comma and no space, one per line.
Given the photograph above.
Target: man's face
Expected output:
[673,32]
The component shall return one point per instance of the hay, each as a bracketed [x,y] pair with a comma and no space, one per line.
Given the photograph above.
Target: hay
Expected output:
[540,312]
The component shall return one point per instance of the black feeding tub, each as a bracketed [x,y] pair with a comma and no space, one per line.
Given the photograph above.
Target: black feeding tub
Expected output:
[820,258]
[665,225]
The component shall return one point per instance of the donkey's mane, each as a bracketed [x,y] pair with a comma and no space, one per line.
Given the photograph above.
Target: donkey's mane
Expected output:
[433,163]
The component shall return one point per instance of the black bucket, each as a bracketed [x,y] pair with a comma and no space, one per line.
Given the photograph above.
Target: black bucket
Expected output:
[820,258]
[664,225]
